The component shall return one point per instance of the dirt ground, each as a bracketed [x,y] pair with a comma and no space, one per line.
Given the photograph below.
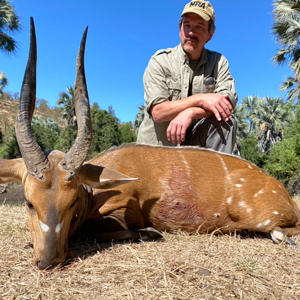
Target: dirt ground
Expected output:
[12,194]
[181,266]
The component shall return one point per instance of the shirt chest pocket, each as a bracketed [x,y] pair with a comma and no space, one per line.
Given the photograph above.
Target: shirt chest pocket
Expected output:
[198,86]
[174,88]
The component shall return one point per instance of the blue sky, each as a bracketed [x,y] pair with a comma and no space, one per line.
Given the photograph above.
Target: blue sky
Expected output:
[122,37]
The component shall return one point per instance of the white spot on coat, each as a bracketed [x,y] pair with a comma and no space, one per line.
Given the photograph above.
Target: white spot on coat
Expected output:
[217,215]
[229,200]
[44,227]
[242,204]
[274,192]
[276,213]
[259,225]
[250,167]
[267,222]
[243,179]
[259,192]
[238,185]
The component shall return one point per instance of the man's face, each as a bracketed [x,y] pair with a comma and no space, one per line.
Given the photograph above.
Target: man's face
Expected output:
[194,34]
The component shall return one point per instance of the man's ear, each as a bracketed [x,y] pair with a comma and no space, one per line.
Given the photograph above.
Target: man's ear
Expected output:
[210,37]
[101,177]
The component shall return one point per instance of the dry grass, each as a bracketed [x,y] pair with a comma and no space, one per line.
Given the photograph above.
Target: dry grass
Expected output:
[180,267]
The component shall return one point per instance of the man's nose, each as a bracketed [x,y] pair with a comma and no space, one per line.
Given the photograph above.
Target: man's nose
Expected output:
[192,30]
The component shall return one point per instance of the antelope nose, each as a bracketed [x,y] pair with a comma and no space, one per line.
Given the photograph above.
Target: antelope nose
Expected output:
[43,266]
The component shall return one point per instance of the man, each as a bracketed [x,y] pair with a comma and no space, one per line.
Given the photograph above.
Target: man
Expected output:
[189,90]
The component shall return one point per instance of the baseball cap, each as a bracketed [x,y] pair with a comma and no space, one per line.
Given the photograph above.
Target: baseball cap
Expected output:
[202,8]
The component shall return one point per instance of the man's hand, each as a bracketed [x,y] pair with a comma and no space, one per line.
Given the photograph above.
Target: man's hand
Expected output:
[176,131]
[181,113]
[218,104]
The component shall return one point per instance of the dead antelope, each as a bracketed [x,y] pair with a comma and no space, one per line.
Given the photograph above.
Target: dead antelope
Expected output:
[177,188]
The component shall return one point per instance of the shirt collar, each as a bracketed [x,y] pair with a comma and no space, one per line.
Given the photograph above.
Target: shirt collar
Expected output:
[184,58]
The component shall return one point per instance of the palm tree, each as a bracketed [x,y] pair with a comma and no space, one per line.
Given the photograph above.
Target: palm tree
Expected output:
[286,28]
[248,104]
[3,83]
[293,94]
[139,117]
[66,100]
[9,22]
[240,114]
[270,116]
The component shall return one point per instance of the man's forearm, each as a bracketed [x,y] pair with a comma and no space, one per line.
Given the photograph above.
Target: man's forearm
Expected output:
[168,110]
[217,104]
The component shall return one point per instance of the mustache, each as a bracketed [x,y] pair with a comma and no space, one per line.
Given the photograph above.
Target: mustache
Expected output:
[191,38]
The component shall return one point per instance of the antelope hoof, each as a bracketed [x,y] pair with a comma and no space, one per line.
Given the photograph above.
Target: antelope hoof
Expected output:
[290,242]
[278,236]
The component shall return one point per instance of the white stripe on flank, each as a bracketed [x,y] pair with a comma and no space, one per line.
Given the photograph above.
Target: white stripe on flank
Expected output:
[183,159]
[225,169]
[228,189]
[44,227]
[229,200]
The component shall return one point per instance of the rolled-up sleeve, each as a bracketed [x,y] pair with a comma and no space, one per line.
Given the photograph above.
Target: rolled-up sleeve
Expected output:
[225,84]
[155,87]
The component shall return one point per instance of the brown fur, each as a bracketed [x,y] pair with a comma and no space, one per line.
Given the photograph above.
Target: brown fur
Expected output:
[189,189]
[183,188]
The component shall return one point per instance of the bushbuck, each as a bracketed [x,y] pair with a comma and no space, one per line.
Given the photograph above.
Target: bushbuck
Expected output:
[167,188]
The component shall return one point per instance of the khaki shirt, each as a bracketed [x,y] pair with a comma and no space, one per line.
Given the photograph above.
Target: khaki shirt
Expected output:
[167,79]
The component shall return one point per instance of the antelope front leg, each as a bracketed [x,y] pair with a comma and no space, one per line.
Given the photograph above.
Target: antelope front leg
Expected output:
[143,234]
[278,236]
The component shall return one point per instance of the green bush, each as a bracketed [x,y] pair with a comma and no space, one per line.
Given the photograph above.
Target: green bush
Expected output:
[10,148]
[128,134]
[283,163]
[251,151]
[66,139]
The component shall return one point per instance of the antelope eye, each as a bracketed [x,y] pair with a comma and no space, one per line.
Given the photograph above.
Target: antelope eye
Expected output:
[29,204]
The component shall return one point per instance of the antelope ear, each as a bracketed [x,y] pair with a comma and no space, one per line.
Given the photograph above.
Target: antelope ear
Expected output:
[101,177]
[11,170]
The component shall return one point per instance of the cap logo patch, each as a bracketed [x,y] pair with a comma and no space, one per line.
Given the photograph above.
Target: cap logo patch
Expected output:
[198,3]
